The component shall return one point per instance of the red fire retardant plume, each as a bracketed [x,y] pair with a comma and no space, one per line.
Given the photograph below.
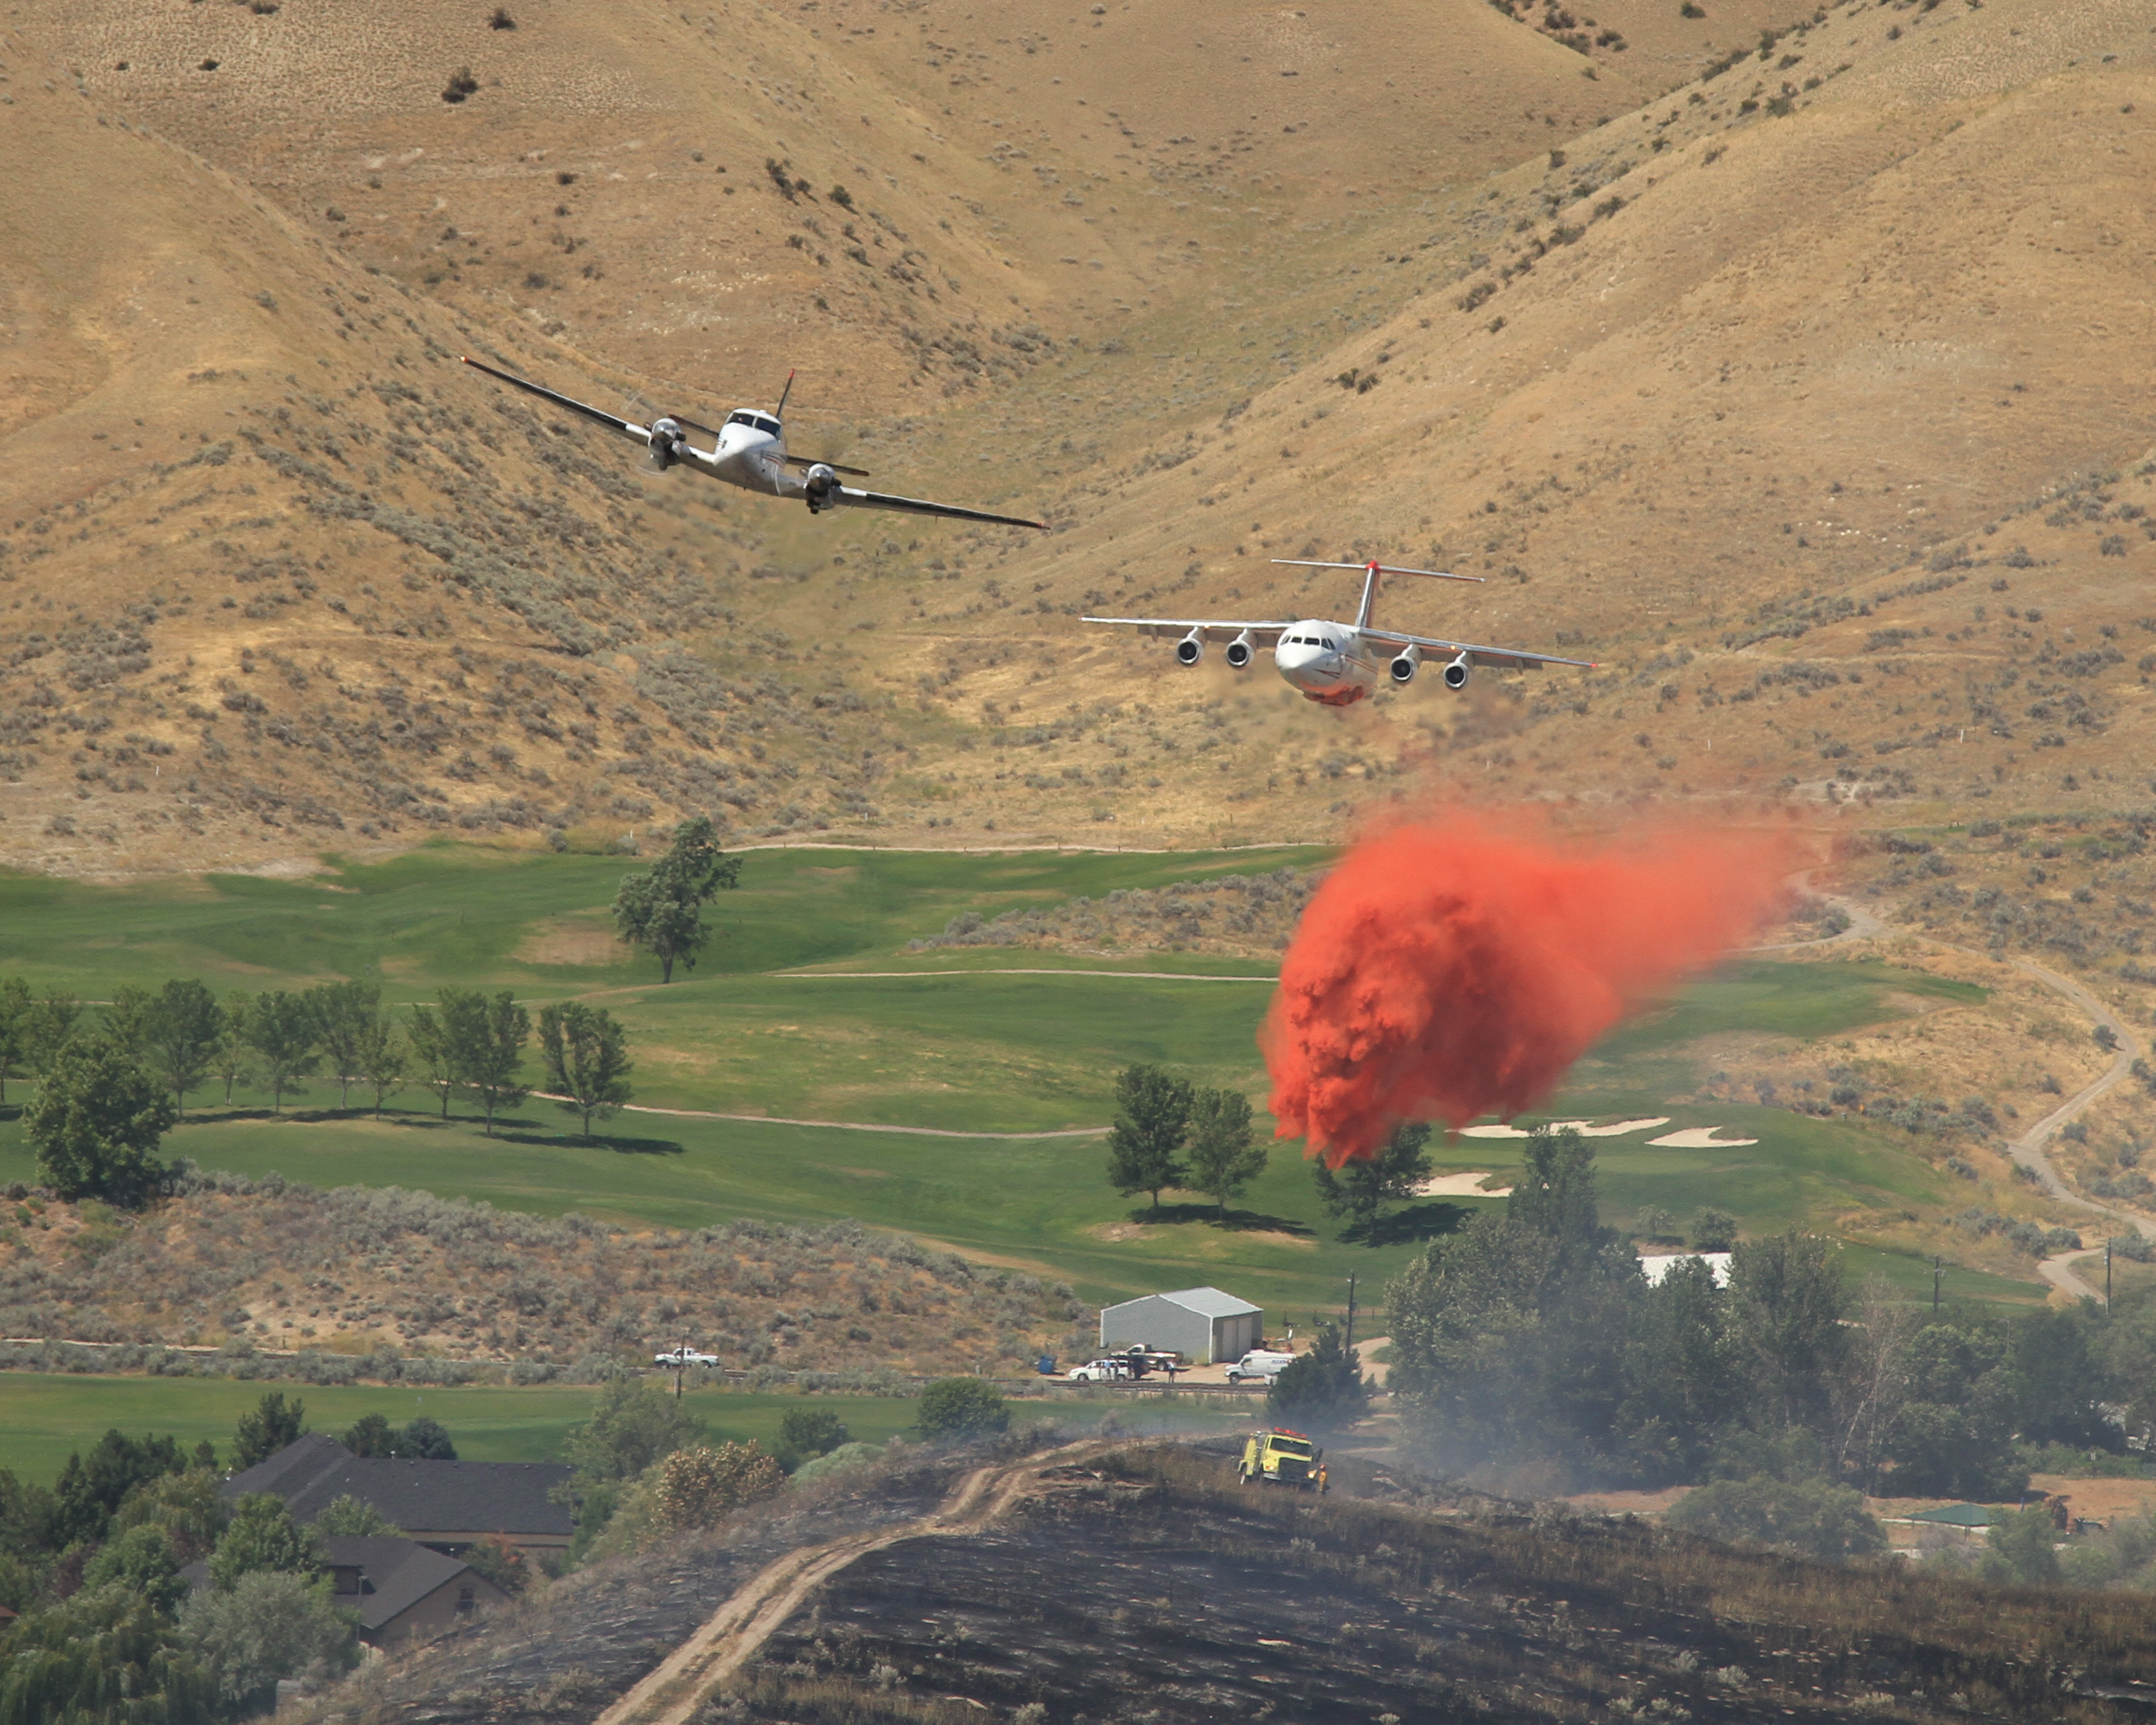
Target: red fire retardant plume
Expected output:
[1443,972]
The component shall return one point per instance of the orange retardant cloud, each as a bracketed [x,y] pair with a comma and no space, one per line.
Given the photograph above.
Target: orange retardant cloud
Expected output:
[1447,971]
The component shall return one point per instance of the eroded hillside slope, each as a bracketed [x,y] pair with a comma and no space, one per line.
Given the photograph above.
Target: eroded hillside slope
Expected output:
[1802,398]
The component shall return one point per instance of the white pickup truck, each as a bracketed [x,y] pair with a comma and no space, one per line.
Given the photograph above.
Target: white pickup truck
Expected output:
[1263,1364]
[680,1357]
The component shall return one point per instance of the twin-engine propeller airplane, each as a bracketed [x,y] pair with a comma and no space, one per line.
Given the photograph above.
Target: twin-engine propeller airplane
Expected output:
[1336,663]
[749,450]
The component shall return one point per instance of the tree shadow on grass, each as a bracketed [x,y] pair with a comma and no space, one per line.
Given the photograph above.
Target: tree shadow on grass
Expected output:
[1235,1221]
[1418,1222]
[292,1115]
[598,1141]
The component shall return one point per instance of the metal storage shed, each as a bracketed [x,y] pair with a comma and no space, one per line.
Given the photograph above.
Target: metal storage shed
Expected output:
[1201,1324]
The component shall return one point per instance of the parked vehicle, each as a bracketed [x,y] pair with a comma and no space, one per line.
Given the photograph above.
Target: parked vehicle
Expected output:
[1140,1360]
[1281,1457]
[1262,1364]
[680,1357]
[1110,1369]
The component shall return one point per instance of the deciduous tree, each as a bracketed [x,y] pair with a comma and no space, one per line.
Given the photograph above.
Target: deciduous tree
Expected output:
[1361,1188]
[107,1654]
[435,1049]
[587,1054]
[425,1439]
[1225,1155]
[661,909]
[1323,1389]
[1787,1302]
[229,1059]
[50,1027]
[97,1121]
[281,1028]
[487,1034]
[1153,1117]
[344,1014]
[262,1535]
[181,1028]
[270,1624]
[14,1030]
[384,1057]
[125,1020]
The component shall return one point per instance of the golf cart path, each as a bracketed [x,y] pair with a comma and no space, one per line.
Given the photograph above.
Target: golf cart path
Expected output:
[672,1691]
[839,1126]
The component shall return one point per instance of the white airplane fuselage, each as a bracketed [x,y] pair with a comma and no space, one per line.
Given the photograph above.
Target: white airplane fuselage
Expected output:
[1328,663]
[751,454]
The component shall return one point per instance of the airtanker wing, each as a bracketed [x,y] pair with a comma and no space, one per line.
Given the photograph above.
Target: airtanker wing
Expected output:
[916,505]
[1491,658]
[598,416]
[1266,634]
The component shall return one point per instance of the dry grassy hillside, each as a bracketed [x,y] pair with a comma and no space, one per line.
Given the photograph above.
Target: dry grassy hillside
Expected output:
[903,202]
[360,1270]
[1813,380]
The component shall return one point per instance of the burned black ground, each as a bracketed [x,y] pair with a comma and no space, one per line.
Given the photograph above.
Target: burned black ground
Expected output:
[1147,1585]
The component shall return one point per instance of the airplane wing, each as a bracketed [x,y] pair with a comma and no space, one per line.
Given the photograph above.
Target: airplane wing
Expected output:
[812,461]
[626,428]
[914,505]
[1490,658]
[1209,628]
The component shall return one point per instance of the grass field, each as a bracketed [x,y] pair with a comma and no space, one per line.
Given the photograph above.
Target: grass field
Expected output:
[45,1418]
[945,1045]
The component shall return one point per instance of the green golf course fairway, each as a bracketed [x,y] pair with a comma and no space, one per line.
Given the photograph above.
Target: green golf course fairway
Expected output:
[794,1012]
[44,1418]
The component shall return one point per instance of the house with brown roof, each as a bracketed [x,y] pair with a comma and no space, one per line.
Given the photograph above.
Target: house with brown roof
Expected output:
[403,1591]
[449,1505]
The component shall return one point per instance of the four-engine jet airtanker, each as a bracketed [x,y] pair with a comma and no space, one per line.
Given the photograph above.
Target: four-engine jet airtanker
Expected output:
[1339,663]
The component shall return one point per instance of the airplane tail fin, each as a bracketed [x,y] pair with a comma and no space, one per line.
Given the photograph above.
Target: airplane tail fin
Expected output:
[1371,572]
[1369,595]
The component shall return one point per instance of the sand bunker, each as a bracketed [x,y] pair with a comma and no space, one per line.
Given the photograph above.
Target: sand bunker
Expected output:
[1461,1186]
[1581,1126]
[1699,1138]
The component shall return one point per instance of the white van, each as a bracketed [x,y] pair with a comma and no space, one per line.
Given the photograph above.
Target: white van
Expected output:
[1261,1364]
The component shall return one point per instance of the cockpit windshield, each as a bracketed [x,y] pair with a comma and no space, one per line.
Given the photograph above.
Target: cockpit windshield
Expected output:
[748,419]
[769,425]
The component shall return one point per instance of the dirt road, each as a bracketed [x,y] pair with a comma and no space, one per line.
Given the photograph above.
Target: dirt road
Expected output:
[673,1691]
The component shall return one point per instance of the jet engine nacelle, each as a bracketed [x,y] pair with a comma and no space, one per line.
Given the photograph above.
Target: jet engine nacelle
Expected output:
[1190,649]
[1241,648]
[1405,667]
[1456,673]
[821,483]
[666,437]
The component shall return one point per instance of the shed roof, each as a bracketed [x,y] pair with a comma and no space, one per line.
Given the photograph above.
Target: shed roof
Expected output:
[1953,1515]
[1207,1302]
[421,1498]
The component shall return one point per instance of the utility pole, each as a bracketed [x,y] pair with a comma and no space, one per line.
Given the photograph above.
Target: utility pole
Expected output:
[1350,1308]
[1936,1274]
